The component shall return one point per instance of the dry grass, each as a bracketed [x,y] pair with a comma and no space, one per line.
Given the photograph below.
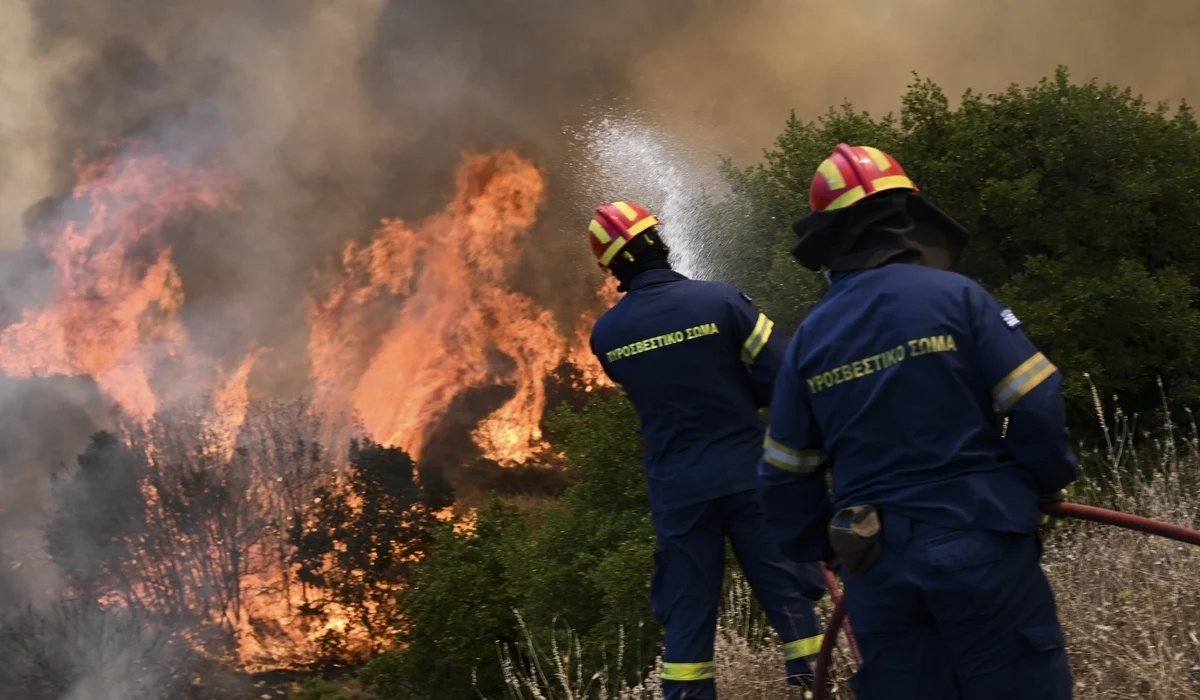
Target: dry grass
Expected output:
[750,664]
[1130,603]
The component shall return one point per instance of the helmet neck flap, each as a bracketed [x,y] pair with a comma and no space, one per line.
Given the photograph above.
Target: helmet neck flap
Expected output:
[897,226]
[648,252]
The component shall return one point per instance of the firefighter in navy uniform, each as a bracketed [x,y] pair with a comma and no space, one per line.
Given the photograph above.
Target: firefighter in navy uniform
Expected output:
[697,360]
[898,382]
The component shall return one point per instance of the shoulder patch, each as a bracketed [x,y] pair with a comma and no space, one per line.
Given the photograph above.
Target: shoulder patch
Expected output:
[1010,319]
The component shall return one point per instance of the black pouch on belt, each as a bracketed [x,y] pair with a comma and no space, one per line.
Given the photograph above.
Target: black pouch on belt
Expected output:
[856,534]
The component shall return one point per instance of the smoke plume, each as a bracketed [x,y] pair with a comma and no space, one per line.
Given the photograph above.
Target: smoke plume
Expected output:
[330,116]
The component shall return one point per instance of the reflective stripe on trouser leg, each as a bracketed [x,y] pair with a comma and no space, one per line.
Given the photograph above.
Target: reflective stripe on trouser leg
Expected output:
[690,571]
[689,681]
[689,672]
[785,589]
[809,646]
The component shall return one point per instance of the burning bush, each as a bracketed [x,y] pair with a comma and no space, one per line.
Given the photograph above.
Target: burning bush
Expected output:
[268,554]
[355,545]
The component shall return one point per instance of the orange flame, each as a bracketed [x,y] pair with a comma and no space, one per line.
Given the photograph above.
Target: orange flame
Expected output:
[581,354]
[113,315]
[229,402]
[418,315]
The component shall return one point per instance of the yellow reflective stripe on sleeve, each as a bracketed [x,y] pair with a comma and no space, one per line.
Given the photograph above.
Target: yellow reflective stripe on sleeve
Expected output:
[789,459]
[803,647]
[1021,381]
[780,447]
[758,339]
[688,672]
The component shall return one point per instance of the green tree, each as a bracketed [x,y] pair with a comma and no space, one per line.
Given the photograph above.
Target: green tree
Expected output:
[458,607]
[1081,202]
[589,562]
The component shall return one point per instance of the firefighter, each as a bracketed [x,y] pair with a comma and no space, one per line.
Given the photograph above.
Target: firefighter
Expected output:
[898,382]
[698,360]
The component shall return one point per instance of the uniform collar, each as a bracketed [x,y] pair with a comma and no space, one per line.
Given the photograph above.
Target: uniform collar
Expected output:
[652,277]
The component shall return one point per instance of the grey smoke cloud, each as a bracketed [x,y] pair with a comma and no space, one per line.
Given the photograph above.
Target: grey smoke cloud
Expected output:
[334,114]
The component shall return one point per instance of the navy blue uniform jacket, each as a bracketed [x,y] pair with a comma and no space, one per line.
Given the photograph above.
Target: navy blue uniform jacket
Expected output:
[898,380]
[698,361]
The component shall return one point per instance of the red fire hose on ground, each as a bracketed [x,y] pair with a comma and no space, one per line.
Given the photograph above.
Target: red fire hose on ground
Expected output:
[1057,510]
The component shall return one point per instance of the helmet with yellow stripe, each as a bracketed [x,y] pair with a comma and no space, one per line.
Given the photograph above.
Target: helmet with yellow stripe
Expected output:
[852,173]
[614,227]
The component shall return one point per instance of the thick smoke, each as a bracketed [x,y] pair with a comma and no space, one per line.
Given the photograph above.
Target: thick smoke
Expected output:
[338,113]
[334,114]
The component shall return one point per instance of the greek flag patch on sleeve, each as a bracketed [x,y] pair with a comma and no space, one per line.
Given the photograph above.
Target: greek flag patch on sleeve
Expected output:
[1010,319]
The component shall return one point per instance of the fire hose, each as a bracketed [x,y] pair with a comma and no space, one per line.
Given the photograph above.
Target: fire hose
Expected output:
[1056,510]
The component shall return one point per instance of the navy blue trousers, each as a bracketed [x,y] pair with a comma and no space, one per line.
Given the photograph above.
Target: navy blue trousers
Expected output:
[956,615]
[689,570]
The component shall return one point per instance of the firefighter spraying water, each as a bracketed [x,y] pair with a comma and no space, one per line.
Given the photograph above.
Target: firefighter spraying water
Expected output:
[698,361]
[899,382]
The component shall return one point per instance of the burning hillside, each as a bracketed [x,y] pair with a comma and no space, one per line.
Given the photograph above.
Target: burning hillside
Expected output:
[405,322]
[205,512]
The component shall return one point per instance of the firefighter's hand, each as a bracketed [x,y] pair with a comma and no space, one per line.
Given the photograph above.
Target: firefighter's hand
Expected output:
[1049,523]
[834,564]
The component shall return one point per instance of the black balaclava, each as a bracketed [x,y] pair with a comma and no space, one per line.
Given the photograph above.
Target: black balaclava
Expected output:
[894,226]
[647,251]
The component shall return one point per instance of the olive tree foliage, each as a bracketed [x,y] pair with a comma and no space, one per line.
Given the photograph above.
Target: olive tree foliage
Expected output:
[1082,203]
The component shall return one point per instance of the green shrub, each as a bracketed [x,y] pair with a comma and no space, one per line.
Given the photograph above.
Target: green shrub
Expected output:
[458,607]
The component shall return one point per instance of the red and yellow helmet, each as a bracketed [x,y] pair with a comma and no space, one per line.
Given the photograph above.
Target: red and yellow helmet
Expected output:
[614,226]
[851,173]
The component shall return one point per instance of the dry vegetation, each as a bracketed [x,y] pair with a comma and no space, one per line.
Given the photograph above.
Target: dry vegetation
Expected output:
[1130,603]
